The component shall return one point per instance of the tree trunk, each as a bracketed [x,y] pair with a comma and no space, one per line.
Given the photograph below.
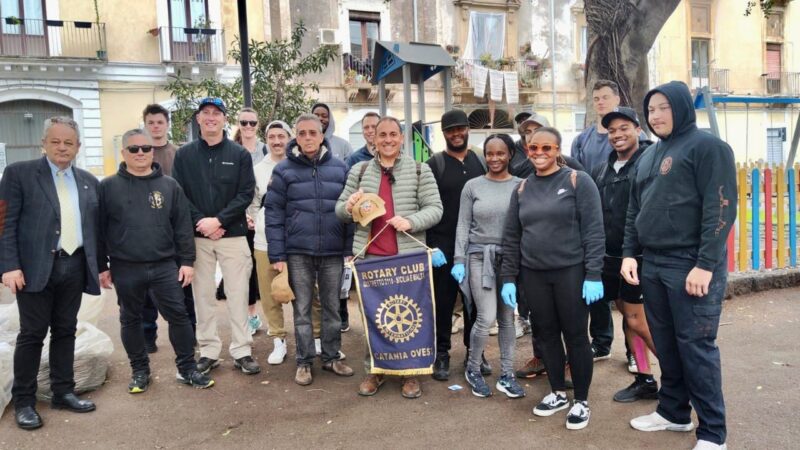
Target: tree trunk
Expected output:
[621,33]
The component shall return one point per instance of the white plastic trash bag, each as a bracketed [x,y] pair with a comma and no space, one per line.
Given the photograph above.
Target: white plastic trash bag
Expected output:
[6,374]
[93,348]
[92,307]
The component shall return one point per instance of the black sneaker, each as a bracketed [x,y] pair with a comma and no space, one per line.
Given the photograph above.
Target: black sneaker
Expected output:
[638,390]
[195,379]
[478,384]
[205,365]
[140,381]
[599,355]
[345,326]
[551,404]
[578,416]
[247,365]
[441,367]
[486,368]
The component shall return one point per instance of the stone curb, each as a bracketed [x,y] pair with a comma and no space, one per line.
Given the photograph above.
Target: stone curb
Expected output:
[743,283]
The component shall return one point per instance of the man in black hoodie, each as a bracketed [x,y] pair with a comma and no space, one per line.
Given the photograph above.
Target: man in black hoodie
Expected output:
[144,227]
[681,209]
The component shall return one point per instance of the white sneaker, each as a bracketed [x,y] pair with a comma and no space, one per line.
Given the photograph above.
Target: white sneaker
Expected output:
[707,445]
[318,346]
[551,404]
[519,326]
[278,352]
[632,366]
[655,422]
[578,415]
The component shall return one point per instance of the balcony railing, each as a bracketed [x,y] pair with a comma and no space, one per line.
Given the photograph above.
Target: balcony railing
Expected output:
[192,45]
[781,83]
[715,78]
[356,70]
[529,72]
[37,38]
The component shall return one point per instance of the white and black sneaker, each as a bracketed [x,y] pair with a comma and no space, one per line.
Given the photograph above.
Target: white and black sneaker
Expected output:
[578,416]
[551,404]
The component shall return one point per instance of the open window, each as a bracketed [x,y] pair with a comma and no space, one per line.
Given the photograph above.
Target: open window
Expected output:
[485,36]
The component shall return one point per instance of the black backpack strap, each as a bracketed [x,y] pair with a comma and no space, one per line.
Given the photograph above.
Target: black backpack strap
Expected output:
[361,172]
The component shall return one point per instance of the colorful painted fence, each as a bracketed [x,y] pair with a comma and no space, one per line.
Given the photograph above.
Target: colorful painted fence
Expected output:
[765,234]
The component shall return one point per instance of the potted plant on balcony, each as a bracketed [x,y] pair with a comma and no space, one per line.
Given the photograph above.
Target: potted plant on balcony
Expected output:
[101,52]
[201,39]
[13,20]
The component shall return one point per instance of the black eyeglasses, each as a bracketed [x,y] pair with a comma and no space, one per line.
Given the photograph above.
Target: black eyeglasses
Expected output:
[136,148]
[245,123]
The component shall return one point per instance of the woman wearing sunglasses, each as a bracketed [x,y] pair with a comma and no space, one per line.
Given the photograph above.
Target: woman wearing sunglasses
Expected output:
[478,250]
[247,134]
[554,242]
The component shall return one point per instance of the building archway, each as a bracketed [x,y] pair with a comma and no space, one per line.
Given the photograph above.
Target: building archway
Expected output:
[21,123]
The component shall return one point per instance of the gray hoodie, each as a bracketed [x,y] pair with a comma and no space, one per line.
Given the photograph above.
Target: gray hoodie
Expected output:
[340,148]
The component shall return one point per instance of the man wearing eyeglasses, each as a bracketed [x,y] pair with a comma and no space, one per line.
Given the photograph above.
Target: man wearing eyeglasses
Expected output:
[306,238]
[216,175]
[144,227]
[48,253]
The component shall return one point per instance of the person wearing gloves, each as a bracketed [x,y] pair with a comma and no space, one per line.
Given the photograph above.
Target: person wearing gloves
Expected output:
[145,226]
[305,236]
[412,205]
[339,147]
[681,209]
[478,252]
[554,243]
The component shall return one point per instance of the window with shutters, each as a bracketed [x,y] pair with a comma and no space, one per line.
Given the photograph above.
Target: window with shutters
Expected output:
[775,139]
[773,73]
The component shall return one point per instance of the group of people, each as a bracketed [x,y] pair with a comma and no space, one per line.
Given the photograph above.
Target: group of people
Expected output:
[517,228]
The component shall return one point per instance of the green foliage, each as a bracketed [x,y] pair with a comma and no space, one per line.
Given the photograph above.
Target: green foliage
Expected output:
[279,87]
[765,5]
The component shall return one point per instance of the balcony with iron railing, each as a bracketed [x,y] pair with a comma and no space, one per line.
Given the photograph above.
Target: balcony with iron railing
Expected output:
[357,71]
[192,45]
[715,78]
[38,38]
[781,83]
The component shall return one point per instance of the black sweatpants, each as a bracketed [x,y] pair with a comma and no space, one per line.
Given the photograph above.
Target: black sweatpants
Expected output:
[134,281]
[555,300]
[445,289]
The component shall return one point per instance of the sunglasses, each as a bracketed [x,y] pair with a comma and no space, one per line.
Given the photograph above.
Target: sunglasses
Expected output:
[245,123]
[547,148]
[136,148]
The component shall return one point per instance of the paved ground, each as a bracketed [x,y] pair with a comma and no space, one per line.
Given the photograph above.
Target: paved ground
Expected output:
[758,339]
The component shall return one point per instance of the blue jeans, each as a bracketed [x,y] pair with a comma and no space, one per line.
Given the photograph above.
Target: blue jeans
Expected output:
[305,272]
[684,330]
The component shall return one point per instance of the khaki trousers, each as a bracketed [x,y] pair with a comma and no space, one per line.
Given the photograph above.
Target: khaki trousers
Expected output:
[274,310]
[234,259]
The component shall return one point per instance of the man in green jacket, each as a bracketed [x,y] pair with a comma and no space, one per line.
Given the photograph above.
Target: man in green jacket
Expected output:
[412,205]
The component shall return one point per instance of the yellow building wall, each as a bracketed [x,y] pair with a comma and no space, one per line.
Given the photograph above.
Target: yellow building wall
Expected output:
[791,37]
[230,22]
[126,24]
[121,106]
[672,58]
[746,131]
[743,56]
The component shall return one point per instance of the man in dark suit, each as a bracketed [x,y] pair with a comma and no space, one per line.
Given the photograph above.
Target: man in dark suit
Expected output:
[48,257]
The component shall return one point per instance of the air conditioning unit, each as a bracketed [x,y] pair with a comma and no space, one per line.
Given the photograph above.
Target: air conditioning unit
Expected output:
[327,36]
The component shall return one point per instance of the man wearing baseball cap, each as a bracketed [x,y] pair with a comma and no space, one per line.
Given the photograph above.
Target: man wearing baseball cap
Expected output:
[216,175]
[613,179]
[452,169]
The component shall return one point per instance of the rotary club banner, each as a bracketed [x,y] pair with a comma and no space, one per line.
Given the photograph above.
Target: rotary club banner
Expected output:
[396,295]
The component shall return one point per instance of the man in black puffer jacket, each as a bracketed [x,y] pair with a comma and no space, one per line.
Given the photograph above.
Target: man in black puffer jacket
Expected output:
[145,227]
[304,233]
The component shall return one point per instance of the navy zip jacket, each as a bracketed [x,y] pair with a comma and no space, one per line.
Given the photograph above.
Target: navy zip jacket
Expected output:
[615,189]
[300,206]
[218,180]
[144,219]
[684,193]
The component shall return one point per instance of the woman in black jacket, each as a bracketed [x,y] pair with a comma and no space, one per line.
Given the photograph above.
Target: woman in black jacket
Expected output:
[553,240]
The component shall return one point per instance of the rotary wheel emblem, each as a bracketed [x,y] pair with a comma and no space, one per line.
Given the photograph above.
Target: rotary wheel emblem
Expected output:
[398,318]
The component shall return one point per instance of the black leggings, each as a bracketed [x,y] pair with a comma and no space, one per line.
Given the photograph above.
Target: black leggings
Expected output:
[555,300]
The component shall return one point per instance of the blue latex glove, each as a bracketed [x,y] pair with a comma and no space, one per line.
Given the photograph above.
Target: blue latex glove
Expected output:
[458,271]
[509,295]
[438,259]
[592,291]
